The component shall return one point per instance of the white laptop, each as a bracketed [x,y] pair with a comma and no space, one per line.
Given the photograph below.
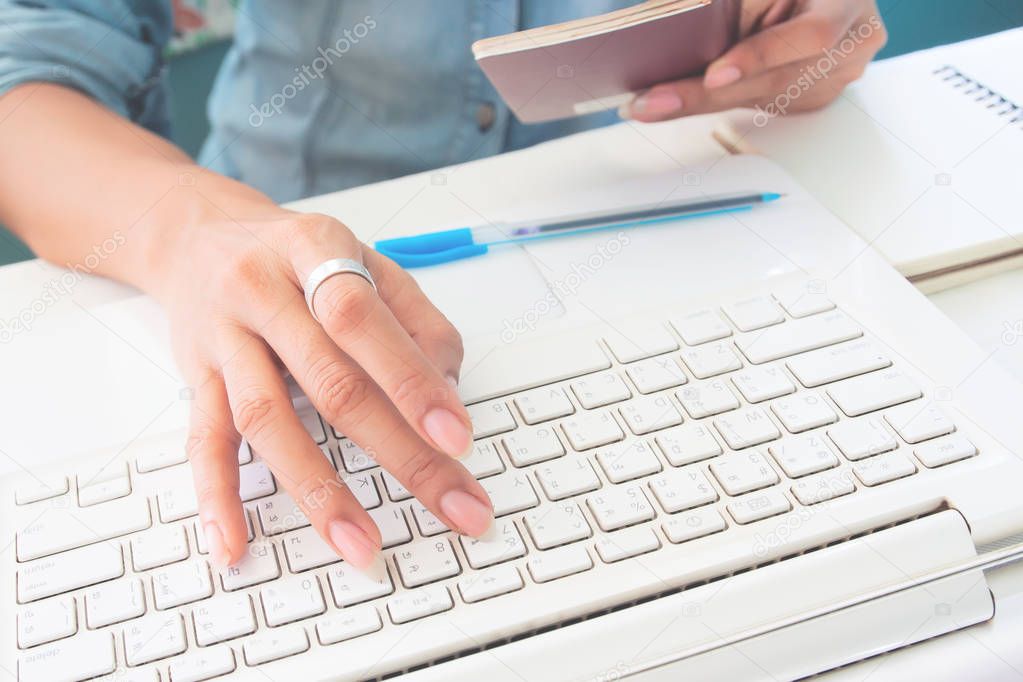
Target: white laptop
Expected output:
[753,451]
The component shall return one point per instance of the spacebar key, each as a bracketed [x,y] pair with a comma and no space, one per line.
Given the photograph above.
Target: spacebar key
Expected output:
[59,530]
[797,336]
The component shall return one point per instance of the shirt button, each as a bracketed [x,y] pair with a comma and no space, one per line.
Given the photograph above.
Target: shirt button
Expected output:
[485,116]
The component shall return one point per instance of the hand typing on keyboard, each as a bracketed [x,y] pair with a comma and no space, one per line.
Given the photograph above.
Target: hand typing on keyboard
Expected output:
[379,365]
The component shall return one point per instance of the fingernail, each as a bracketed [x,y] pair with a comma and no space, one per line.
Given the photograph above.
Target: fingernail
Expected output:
[215,543]
[447,431]
[469,514]
[720,76]
[353,544]
[452,380]
[657,103]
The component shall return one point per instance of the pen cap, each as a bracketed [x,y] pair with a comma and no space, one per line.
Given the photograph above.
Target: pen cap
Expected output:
[430,249]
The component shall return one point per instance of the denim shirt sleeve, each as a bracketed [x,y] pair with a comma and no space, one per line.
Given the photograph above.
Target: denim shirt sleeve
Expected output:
[109,49]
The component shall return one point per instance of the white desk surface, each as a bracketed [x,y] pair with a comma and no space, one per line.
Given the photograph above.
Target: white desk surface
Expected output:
[987,310]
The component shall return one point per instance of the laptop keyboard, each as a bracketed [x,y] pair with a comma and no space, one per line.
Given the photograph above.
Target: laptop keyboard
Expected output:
[697,424]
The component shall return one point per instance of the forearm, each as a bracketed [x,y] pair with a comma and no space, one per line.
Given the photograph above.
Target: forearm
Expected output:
[83,187]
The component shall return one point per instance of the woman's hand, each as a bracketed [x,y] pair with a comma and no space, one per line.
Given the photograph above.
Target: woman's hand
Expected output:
[794,55]
[380,368]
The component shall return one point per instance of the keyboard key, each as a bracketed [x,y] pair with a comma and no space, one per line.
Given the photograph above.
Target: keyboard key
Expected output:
[693,524]
[656,374]
[46,621]
[640,340]
[393,527]
[167,452]
[426,561]
[304,549]
[223,618]
[490,419]
[861,438]
[620,506]
[797,336]
[599,390]
[59,530]
[491,582]
[874,391]
[280,513]
[353,458]
[884,468]
[707,398]
[744,428]
[591,430]
[40,487]
[259,565]
[742,472]
[531,445]
[310,420]
[687,444]
[202,665]
[415,604]
[104,491]
[291,599]
[69,571]
[181,583]
[364,488]
[396,491]
[700,326]
[566,478]
[680,489]
[916,423]
[543,404]
[628,461]
[153,637]
[757,384]
[92,653]
[803,298]
[501,543]
[753,313]
[823,487]
[803,456]
[837,362]
[710,360]
[756,506]
[557,525]
[803,412]
[626,544]
[558,563]
[271,646]
[647,414]
[351,586]
[158,547]
[114,602]
[484,461]
[945,451]
[510,493]
[349,624]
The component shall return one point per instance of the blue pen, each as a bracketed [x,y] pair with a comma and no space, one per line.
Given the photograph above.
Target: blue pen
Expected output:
[434,248]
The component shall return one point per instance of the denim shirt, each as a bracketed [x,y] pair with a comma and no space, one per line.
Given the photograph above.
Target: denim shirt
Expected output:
[313,96]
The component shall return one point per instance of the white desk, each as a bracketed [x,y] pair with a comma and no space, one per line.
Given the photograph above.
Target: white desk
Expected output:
[75,406]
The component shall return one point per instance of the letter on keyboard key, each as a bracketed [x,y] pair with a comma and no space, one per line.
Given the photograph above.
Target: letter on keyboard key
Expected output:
[823,487]
[874,391]
[797,336]
[90,654]
[680,489]
[803,412]
[490,419]
[510,493]
[255,481]
[490,583]
[803,455]
[393,527]
[426,561]
[756,506]
[758,384]
[62,529]
[114,602]
[258,565]
[557,525]
[916,423]
[305,549]
[271,646]
[280,513]
[531,445]
[642,340]
[415,604]
[700,326]
[158,547]
[656,374]
[558,563]
[753,313]
[484,461]
[687,444]
[741,472]
[543,404]
[46,621]
[626,544]
[945,451]
[744,428]
[427,521]
[710,360]
[620,506]
[350,623]
[69,571]
[501,543]
[181,583]
[837,362]
[566,478]
[693,524]
[352,586]
[223,618]
[291,599]
[884,468]
[601,389]
[202,665]
[353,458]
[707,398]
[591,430]
[861,438]
[647,414]
[628,461]
[153,637]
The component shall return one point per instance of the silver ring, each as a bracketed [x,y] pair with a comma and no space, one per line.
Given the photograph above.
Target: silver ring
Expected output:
[327,269]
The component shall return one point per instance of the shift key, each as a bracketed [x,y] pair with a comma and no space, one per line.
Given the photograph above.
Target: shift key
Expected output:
[59,530]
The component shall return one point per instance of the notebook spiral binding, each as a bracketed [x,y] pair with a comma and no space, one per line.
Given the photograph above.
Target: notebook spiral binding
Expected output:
[999,104]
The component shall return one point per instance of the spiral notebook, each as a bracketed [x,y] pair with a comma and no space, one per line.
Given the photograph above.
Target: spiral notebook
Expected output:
[923,157]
